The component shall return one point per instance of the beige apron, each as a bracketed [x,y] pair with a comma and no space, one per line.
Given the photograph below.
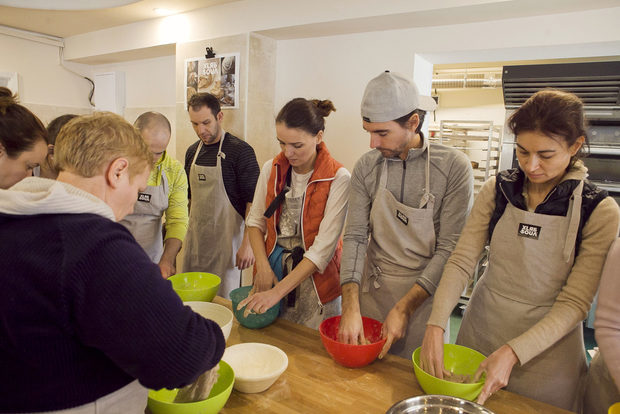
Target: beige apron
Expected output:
[530,258]
[307,309]
[131,399]
[215,228]
[601,390]
[402,243]
[145,221]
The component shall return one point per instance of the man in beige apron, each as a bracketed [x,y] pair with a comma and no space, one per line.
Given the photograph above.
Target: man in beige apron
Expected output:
[419,206]
[396,259]
[145,222]
[216,241]
[161,197]
[516,292]
[214,222]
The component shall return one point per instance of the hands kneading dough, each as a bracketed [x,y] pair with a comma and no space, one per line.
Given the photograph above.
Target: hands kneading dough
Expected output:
[200,389]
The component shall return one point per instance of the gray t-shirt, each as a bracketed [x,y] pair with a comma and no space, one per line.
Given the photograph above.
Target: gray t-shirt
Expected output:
[451,182]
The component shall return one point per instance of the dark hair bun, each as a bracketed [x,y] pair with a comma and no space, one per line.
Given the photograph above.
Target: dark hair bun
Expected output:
[6,93]
[325,106]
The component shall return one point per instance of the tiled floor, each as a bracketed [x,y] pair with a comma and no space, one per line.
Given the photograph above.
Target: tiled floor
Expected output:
[455,323]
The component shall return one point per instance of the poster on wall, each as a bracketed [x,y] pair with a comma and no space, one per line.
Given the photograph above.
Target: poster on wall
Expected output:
[218,76]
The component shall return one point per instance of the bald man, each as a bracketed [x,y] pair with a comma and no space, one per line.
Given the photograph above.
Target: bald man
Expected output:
[165,195]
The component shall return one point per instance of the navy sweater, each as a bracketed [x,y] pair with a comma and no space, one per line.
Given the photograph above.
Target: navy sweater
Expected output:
[83,312]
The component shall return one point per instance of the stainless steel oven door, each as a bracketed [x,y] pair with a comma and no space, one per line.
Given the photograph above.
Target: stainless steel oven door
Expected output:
[603,164]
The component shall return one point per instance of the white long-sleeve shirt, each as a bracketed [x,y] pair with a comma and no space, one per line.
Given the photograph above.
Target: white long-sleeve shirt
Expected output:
[330,229]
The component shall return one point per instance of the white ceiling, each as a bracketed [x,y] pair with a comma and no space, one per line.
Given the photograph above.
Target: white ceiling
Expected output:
[66,23]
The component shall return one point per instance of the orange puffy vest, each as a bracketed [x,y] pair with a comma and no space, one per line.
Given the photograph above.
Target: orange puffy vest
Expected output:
[315,198]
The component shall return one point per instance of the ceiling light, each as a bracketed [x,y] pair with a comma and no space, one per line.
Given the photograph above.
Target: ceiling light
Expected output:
[66,4]
[162,11]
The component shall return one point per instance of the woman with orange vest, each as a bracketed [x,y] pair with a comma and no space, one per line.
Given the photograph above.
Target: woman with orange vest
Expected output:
[296,220]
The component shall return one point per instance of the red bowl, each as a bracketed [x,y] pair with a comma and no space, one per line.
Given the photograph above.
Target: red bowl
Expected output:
[352,356]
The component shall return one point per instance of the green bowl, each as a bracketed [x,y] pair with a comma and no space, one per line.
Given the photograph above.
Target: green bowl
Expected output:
[253,320]
[160,402]
[458,360]
[195,286]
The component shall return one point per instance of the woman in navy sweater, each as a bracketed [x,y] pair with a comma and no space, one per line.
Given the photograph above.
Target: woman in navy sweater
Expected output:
[83,310]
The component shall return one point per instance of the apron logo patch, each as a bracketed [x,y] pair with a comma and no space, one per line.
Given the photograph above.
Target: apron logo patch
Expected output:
[401,216]
[529,230]
[202,177]
[144,197]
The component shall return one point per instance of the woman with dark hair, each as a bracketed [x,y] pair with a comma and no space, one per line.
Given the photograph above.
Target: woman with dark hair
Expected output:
[23,145]
[48,170]
[300,205]
[548,230]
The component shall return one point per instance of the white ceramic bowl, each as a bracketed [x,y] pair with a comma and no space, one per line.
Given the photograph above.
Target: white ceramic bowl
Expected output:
[217,313]
[257,366]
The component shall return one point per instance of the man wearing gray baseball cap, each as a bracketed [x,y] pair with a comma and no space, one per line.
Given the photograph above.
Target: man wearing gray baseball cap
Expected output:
[412,199]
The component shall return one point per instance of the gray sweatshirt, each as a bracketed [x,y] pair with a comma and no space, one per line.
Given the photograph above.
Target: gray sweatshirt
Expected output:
[451,182]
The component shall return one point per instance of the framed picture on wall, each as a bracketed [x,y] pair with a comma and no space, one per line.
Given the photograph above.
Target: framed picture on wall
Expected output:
[218,76]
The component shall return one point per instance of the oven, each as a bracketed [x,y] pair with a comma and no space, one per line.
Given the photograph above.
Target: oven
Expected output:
[598,86]
[603,161]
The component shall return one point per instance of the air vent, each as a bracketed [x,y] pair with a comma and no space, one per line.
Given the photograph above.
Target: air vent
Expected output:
[596,83]
[467,78]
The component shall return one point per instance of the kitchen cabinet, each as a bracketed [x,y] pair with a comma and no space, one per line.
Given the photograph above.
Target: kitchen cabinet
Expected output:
[314,383]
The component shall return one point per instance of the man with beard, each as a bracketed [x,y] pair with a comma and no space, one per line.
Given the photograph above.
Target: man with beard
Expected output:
[222,172]
[411,197]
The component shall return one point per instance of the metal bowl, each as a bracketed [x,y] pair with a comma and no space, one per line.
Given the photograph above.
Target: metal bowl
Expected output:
[440,404]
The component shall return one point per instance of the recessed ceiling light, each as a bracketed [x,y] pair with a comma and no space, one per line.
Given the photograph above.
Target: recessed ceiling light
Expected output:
[162,11]
[66,4]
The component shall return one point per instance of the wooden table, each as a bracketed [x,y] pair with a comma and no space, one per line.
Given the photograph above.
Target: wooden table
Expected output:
[314,383]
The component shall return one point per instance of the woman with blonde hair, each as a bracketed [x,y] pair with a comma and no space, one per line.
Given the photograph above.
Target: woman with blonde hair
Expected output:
[87,320]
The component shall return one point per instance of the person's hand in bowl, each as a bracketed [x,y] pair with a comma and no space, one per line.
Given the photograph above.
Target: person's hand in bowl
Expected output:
[431,354]
[351,329]
[497,367]
[394,327]
[259,302]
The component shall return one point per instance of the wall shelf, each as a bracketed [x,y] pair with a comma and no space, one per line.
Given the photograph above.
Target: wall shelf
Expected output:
[479,140]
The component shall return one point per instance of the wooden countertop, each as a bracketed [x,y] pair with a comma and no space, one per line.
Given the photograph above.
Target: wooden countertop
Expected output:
[314,383]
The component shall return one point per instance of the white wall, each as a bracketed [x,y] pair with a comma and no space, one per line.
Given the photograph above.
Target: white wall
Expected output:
[338,67]
[45,87]
[49,90]
[149,86]
[246,16]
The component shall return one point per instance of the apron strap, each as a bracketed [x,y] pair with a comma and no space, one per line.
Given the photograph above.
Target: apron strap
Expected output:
[220,154]
[383,176]
[574,215]
[164,180]
[427,198]
[296,255]
[197,151]
[280,197]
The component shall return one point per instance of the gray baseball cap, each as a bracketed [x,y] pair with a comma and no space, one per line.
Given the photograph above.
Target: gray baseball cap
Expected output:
[390,96]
